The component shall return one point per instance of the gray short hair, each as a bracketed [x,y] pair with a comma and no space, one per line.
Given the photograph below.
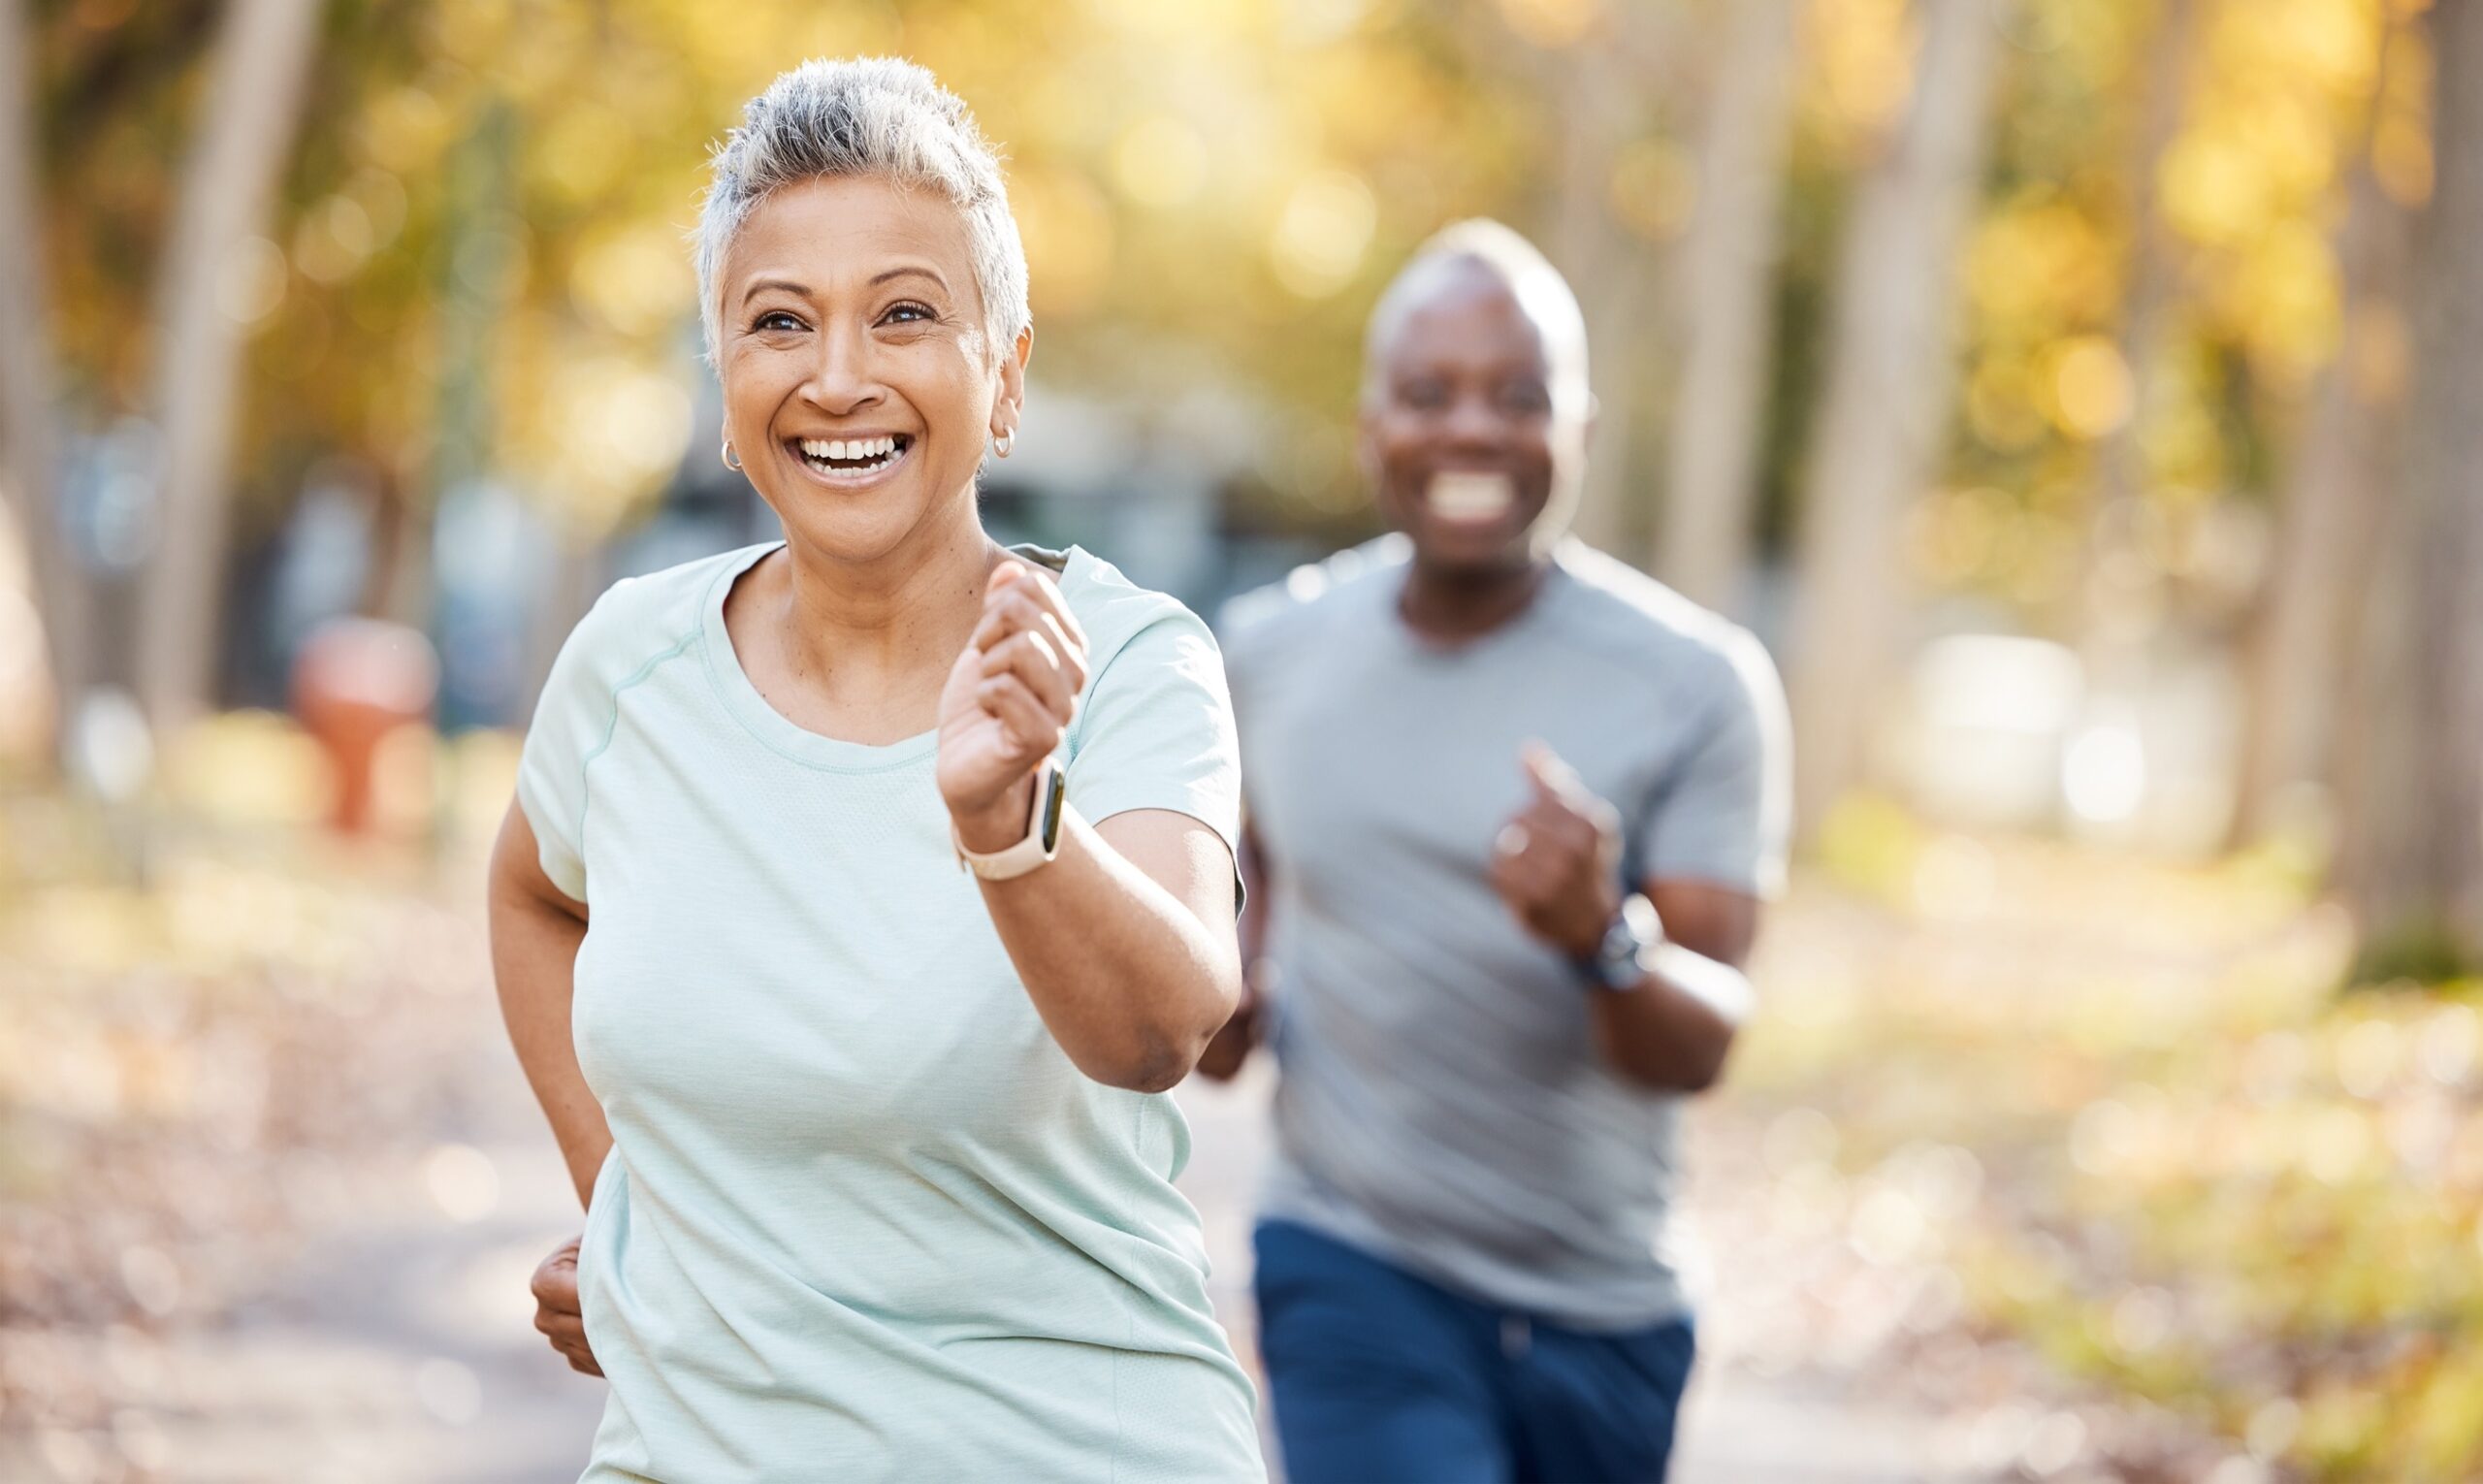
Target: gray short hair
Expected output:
[881,116]
[1518,263]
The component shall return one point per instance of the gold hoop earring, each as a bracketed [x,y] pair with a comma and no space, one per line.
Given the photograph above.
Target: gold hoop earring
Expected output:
[731,462]
[1003,443]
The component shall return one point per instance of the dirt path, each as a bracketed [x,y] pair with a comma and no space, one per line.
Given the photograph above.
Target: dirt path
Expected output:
[393,1345]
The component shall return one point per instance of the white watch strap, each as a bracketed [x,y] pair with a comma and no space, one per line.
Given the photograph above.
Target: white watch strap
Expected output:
[1030,852]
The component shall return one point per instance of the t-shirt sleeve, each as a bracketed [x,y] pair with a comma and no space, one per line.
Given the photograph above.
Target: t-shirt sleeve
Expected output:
[1156,732]
[571,719]
[1724,813]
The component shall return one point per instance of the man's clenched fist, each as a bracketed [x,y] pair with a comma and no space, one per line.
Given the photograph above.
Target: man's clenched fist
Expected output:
[1557,863]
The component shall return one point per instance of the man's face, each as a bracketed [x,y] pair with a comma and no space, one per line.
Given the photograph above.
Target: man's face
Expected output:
[1475,452]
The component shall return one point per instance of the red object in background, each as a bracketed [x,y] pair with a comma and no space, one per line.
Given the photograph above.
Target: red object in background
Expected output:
[354,681]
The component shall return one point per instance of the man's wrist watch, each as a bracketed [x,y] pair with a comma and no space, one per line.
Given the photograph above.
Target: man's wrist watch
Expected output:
[1042,832]
[1620,962]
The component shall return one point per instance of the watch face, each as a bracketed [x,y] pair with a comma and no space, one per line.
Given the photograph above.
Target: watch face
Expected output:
[1617,962]
[1055,796]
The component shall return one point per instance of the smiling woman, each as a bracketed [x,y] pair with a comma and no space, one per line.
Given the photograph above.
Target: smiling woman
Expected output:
[876,1156]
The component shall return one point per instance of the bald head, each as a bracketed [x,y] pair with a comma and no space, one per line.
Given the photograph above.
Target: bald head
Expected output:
[1475,403]
[1450,263]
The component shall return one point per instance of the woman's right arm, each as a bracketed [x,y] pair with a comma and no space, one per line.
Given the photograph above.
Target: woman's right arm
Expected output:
[536,931]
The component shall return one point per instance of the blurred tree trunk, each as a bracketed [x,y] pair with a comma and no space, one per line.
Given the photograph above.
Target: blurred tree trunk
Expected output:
[2111,628]
[1607,273]
[29,401]
[2414,857]
[1704,547]
[2337,487]
[1885,407]
[228,185]
[1599,88]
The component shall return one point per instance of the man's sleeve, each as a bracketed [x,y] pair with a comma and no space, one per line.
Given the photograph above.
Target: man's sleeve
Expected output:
[1724,813]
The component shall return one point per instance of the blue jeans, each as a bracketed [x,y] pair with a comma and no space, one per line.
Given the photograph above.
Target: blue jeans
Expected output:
[1380,1377]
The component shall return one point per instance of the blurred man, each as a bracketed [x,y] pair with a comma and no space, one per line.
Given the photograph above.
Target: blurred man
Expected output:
[1512,809]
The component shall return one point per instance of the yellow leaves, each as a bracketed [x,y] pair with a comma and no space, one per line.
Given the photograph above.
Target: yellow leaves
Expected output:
[2329,45]
[579,153]
[2211,188]
[405,130]
[1160,161]
[247,768]
[332,238]
[1067,227]
[1551,24]
[1860,54]
[2286,302]
[2037,267]
[618,429]
[636,280]
[1322,232]
[2090,386]
[2401,157]
[1186,20]
[2200,1184]
[2444,1426]
[1654,187]
[2001,405]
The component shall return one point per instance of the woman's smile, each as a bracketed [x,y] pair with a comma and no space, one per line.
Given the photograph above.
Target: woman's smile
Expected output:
[852,462]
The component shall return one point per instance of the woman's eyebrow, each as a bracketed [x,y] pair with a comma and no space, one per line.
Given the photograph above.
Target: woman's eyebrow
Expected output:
[914,268]
[797,290]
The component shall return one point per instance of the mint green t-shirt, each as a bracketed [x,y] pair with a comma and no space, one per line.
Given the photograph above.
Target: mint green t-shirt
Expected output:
[863,1219]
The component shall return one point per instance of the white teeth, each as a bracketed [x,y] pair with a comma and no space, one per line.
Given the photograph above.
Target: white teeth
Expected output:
[848,448]
[1467,494]
[878,450]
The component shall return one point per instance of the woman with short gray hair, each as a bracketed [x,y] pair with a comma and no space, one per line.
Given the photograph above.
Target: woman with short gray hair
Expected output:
[864,891]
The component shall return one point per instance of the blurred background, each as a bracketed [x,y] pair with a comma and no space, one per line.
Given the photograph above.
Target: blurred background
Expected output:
[2083,398]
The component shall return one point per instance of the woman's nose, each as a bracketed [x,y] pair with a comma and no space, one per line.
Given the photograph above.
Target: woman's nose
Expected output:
[843,379]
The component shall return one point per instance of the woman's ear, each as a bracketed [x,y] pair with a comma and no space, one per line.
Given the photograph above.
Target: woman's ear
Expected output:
[1006,406]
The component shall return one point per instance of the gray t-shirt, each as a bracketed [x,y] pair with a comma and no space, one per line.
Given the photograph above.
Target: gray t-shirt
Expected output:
[1442,1103]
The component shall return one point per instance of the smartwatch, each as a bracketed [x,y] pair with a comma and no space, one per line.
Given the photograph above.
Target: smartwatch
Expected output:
[1620,962]
[1042,832]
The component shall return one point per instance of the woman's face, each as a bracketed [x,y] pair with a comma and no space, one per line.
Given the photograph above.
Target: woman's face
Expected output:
[860,382]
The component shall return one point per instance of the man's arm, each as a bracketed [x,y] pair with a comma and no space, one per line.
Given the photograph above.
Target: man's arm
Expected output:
[1230,1047]
[1555,865]
[1673,1029]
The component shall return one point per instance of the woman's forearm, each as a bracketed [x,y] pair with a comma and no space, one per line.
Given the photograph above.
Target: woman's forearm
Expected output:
[1131,975]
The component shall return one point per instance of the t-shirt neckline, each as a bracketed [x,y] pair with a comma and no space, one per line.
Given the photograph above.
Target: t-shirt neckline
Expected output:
[1547,596]
[779,732]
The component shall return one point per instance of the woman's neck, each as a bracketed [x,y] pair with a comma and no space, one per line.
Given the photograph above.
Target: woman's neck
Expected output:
[1452,607]
[870,642]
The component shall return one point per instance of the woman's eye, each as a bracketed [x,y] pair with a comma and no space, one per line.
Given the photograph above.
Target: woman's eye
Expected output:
[907,314]
[1526,396]
[1423,394]
[777,319]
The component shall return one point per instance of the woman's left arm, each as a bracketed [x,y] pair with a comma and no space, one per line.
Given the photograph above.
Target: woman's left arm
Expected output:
[1125,943]
[1125,938]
